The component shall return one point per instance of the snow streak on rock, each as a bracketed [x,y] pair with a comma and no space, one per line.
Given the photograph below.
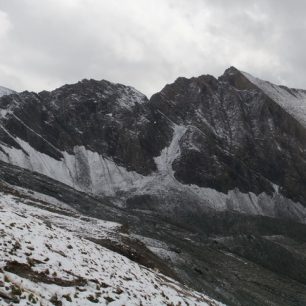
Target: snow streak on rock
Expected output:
[292,100]
[169,154]
[5,91]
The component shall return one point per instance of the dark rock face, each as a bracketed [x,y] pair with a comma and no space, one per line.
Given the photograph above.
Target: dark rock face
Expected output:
[110,119]
[237,136]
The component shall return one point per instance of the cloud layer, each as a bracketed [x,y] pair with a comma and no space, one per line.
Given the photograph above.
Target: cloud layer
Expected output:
[147,43]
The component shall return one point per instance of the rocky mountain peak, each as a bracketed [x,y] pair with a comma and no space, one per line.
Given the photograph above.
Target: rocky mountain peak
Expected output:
[93,91]
[237,79]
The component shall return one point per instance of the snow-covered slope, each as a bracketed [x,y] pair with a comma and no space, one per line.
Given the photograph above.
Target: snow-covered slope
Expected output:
[292,100]
[5,91]
[41,263]
[84,170]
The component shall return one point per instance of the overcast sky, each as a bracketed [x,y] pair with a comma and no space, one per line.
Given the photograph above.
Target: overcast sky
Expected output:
[148,43]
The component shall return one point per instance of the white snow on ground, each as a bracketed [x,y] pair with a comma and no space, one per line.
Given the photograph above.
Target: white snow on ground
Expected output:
[42,264]
[291,100]
[56,212]
[5,91]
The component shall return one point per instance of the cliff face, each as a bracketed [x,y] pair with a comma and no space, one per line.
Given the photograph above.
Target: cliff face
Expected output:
[236,135]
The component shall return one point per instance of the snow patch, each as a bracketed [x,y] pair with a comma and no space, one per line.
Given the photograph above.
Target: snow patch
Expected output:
[5,91]
[291,100]
[169,154]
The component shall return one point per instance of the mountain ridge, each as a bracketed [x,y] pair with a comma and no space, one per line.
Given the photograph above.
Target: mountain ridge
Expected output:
[147,133]
[204,174]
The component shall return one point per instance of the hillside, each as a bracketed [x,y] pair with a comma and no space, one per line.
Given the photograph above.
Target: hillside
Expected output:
[204,182]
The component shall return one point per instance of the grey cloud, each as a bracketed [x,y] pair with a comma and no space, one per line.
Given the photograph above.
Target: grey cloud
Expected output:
[147,43]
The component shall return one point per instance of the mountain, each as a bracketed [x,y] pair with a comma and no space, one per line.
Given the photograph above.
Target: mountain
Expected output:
[224,142]
[208,175]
